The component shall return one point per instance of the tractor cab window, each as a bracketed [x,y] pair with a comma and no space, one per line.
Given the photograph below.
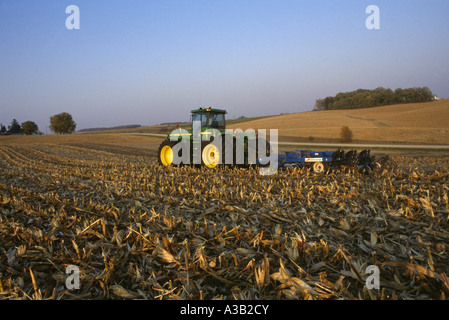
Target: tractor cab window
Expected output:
[200,117]
[216,120]
[196,117]
[211,120]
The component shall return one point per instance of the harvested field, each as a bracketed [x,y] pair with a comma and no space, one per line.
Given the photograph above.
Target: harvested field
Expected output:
[136,230]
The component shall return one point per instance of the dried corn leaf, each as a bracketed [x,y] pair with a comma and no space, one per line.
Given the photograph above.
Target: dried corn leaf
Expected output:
[121,292]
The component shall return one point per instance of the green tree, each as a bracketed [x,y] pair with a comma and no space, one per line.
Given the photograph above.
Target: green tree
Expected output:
[388,97]
[424,94]
[62,123]
[410,95]
[329,103]
[29,127]
[15,127]
[320,104]
[2,128]
[399,95]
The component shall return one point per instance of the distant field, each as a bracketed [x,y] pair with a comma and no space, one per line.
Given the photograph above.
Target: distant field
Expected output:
[423,123]
[120,143]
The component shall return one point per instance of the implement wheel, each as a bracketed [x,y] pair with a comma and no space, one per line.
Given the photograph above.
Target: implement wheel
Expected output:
[318,167]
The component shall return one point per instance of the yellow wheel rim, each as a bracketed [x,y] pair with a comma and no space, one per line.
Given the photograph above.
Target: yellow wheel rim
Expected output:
[318,167]
[166,155]
[211,156]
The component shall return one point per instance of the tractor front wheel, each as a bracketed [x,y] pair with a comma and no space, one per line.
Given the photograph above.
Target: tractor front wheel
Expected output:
[210,155]
[166,153]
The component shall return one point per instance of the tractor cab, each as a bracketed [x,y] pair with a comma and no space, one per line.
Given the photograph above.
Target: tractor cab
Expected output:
[210,118]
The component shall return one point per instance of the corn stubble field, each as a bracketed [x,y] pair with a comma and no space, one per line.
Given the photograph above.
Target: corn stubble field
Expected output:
[140,231]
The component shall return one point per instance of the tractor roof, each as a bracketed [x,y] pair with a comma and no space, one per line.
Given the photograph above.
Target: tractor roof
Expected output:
[209,110]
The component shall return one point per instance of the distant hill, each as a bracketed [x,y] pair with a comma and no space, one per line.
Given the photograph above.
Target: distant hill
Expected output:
[426,123]
[131,126]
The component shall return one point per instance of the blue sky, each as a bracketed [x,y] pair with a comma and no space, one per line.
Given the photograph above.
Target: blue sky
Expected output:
[147,62]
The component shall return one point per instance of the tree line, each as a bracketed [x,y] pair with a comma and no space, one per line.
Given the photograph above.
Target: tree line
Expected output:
[365,98]
[61,123]
[27,127]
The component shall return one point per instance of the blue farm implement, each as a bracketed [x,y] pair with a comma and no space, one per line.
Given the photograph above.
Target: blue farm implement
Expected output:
[321,161]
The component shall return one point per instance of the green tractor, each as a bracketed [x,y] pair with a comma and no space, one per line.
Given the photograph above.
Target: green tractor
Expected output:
[209,143]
